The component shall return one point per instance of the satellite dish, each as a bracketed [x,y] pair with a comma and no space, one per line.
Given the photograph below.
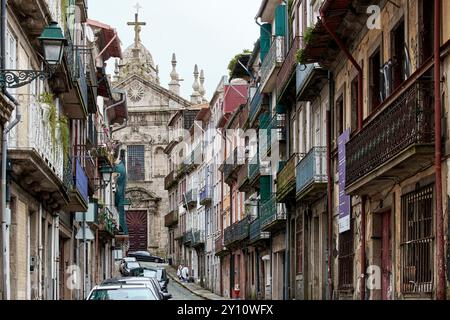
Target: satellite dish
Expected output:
[90,34]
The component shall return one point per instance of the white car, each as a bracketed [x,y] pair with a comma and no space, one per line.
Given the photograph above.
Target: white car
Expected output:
[123,291]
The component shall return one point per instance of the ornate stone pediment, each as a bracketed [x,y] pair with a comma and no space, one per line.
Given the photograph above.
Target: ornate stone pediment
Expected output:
[141,198]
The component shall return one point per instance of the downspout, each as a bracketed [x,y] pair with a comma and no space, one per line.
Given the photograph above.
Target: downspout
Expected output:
[6,213]
[40,249]
[360,125]
[286,258]
[440,250]
[330,185]
[363,249]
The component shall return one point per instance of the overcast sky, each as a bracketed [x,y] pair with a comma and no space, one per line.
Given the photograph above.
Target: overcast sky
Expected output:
[204,32]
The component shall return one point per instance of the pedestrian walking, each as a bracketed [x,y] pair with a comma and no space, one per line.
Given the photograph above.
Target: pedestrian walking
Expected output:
[180,267]
[185,274]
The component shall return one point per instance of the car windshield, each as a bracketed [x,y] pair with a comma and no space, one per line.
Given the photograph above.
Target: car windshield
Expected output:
[150,273]
[123,294]
[133,265]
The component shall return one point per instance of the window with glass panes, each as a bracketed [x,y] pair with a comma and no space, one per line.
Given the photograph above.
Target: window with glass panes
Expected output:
[136,163]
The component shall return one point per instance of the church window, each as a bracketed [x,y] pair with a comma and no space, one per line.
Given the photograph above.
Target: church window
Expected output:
[136,166]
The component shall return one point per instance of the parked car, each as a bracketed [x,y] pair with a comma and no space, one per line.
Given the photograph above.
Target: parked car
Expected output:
[152,283]
[128,264]
[145,256]
[123,291]
[158,273]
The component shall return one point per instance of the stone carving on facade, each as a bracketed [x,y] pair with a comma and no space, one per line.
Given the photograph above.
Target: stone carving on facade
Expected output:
[136,92]
[140,198]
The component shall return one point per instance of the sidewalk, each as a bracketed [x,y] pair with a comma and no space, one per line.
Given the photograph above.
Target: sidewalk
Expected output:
[193,287]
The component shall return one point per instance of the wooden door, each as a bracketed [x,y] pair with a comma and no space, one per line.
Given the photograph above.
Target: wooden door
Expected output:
[137,229]
[386,256]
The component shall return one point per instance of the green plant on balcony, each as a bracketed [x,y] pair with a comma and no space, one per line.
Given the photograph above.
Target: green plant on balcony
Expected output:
[236,58]
[308,37]
[47,99]
[301,56]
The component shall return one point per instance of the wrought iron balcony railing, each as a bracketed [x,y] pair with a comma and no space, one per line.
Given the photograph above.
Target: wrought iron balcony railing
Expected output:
[271,64]
[219,245]
[256,234]
[287,69]
[256,106]
[308,77]
[271,213]
[205,195]
[80,180]
[169,180]
[406,122]
[286,182]
[191,198]
[171,218]
[198,238]
[311,172]
[188,237]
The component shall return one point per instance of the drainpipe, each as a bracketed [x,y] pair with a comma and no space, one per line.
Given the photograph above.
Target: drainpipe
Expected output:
[286,258]
[330,185]
[40,249]
[363,248]
[440,250]
[6,212]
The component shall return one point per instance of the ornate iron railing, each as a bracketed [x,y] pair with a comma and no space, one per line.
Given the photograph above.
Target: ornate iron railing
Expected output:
[273,60]
[188,236]
[171,218]
[256,233]
[198,238]
[288,67]
[407,121]
[191,198]
[81,180]
[286,177]
[253,167]
[312,169]
[255,105]
[271,211]
[206,195]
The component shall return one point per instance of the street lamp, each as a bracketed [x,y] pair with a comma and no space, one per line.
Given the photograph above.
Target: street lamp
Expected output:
[127,205]
[106,172]
[53,43]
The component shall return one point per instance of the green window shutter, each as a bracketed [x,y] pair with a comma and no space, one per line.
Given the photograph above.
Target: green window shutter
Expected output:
[280,21]
[265,191]
[266,35]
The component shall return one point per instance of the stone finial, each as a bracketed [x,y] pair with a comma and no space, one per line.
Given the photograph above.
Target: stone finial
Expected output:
[202,90]
[174,84]
[196,96]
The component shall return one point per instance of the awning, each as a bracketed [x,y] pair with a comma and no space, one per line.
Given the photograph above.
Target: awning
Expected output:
[104,87]
[107,34]
[117,112]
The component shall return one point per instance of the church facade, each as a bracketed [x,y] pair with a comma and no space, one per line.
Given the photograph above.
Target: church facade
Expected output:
[144,139]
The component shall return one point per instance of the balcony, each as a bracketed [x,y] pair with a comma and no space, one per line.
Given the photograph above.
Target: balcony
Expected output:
[265,133]
[271,65]
[206,195]
[396,143]
[232,164]
[236,233]
[37,161]
[75,102]
[256,234]
[79,197]
[257,106]
[286,75]
[170,181]
[219,246]
[312,175]
[178,234]
[191,199]
[273,214]
[228,235]
[310,79]
[254,170]
[286,183]
[278,128]
[171,218]
[242,179]
[188,237]
[107,222]
[198,239]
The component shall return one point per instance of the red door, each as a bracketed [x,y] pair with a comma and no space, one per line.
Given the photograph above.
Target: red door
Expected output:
[386,257]
[137,229]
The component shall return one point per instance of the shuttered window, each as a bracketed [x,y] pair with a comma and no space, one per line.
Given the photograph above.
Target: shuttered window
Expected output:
[346,254]
[136,163]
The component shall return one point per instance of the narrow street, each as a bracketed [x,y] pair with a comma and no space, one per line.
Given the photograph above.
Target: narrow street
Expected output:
[180,293]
